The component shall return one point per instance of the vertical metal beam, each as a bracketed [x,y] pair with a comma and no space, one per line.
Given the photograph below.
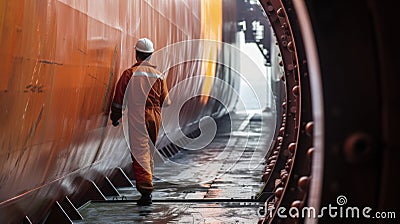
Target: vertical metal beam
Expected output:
[108,189]
[26,220]
[120,179]
[70,209]
[92,192]
[58,215]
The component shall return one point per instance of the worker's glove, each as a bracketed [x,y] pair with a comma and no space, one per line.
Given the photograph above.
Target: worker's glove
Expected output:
[115,115]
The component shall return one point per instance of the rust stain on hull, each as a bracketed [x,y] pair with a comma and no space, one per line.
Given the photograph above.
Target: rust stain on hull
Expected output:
[60,63]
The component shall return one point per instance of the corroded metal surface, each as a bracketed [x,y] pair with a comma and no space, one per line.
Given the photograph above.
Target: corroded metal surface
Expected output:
[60,62]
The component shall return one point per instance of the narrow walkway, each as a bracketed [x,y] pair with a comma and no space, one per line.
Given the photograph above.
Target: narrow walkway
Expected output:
[211,185]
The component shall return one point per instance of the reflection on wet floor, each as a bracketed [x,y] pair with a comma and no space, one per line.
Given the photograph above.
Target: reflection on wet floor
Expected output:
[171,213]
[228,168]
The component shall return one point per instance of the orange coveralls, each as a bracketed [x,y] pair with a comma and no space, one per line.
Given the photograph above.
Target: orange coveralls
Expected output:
[146,91]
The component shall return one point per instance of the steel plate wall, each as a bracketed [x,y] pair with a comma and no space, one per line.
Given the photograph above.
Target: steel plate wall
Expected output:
[60,63]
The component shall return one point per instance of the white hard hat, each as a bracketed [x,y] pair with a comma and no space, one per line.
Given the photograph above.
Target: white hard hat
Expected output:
[144,45]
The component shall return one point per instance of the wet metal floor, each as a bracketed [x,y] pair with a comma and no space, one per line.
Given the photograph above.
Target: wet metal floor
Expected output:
[129,212]
[212,185]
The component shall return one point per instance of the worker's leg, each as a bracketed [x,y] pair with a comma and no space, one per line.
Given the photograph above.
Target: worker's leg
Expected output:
[153,119]
[144,179]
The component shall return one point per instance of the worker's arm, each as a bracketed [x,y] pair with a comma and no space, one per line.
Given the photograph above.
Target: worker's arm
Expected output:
[116,106]
[165,100]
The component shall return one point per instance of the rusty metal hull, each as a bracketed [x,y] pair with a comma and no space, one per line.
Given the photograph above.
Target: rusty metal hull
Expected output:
[60,63]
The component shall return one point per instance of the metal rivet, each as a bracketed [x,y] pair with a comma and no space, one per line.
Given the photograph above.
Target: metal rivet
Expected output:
[296,90]
[292,147]
[280,12]
[281,130]
[358,147]
[286,153]
[297,204]
[279,192]
[310,128]
[265,176]
[293,109]
[304,183]
[283,172]
[290,46]
[284,105]
[285,177]
[310,152]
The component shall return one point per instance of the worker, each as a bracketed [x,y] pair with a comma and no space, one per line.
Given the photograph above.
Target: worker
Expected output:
[146,93]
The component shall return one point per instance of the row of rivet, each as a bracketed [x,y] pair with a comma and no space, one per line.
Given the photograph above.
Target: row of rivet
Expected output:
[279,22]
